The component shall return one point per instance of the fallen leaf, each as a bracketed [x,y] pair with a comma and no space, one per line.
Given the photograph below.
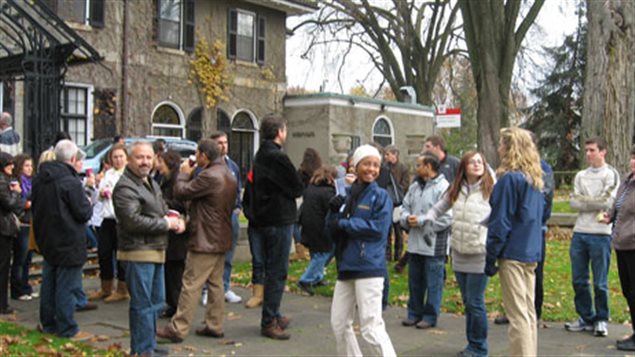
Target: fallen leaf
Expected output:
[233,317]
[226,342]
[435,331]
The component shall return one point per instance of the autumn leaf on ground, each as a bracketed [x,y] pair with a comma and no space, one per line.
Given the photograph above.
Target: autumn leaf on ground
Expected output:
[45,350]
[436,331]
[190,348]
[11,340]
[232,316]
[100,338]
[402,297]
[226,342]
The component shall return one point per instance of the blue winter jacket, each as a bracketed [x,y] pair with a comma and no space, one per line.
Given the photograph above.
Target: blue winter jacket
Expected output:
[362,247]
[514,229]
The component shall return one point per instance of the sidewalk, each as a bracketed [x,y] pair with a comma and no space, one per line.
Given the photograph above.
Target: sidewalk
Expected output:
[311,333]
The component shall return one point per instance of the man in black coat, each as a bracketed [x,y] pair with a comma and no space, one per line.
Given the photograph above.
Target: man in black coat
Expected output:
[276,186]
[60,212]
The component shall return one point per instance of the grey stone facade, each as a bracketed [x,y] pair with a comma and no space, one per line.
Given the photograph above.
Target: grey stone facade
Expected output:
[333,124]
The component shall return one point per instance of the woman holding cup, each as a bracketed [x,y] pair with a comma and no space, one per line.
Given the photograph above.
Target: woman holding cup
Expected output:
[107,235]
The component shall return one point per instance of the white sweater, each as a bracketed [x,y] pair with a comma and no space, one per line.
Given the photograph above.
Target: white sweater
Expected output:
[594,191]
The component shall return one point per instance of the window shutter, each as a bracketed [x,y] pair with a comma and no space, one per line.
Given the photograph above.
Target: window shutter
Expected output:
[260,44]
[188,26]
[232,32]
[97,13]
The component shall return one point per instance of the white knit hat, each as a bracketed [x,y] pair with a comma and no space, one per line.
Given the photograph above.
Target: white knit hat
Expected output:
[365,151]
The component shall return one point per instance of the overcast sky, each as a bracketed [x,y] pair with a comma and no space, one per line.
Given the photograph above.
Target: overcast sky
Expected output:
[556,20]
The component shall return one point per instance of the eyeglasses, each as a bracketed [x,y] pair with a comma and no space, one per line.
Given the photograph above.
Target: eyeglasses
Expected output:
[475,162]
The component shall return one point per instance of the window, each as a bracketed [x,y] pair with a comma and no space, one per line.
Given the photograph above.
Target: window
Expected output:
[195,125]
[167,120]
[246,36]
[223,123]
[90,12]
[176,24]
[241,141]
[382,132]
[74,114]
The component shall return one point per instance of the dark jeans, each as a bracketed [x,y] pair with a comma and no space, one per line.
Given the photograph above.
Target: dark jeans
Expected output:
[539,292]
[398,243]
[6,243]
[58,298]
[594,250]
[173,282]
[257,255]
[107,250]
[229,255]
[626,270]
[147,296]
[472,287]
[20,266]
[425,284]
[276,242]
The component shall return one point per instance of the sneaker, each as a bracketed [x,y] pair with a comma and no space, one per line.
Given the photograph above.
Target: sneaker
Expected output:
[306,287]
[232,298]
[204,298]
[35,295]
[81,336]
[601,328]
[25,297]
[501,320]
[578,326]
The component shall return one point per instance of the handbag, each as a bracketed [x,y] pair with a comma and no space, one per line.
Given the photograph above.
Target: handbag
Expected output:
[395,192]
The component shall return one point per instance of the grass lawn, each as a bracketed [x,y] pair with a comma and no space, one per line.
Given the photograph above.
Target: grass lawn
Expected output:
[18,341]
[558,301]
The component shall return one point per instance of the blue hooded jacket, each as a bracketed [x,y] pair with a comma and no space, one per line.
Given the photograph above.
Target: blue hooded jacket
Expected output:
[362,236]
[514,231]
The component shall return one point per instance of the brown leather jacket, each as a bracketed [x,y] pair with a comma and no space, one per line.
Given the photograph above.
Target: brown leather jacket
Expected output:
[213,197]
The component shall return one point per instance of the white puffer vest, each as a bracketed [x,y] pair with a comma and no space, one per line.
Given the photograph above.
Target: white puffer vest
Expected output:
[470,209]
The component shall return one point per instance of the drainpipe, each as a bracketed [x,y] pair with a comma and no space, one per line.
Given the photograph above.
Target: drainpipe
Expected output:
[124,71]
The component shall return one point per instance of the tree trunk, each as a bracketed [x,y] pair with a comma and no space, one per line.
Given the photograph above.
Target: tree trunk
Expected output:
[609,88]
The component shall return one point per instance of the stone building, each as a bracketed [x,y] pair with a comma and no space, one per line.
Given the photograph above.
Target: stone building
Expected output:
[334,124]
[143,86]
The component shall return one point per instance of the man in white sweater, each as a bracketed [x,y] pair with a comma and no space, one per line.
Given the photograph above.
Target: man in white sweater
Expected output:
[594,191]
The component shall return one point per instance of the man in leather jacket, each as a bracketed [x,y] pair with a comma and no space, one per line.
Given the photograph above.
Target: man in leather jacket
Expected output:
[143,237]
[212,196]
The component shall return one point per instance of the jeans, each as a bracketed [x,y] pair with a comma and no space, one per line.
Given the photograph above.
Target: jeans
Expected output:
[91,237]
[539,292]
[472,287]
[314,272]
[257,255]
[385,293]
[146,285]
[626,270]
[297,236]
[6,244]
[229,255]
[58,298]
[425,275]
[276,242]
[596,250]
[20,266]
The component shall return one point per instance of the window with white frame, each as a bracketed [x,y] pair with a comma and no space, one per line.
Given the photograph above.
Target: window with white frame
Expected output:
[167,120]
[89,12]
[382,132]
[246,34]
[176,24]
[74,116]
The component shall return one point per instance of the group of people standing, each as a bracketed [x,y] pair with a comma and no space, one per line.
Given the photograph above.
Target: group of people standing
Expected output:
[168,228]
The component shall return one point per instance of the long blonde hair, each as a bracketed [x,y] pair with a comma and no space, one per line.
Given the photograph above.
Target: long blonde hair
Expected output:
[520,155]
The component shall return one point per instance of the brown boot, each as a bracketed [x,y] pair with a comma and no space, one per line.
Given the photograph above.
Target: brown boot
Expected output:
[106,290]
[120,294]
[256,299]
[274,331]
[301,253]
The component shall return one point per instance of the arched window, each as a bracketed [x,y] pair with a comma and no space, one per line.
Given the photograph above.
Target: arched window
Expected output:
[167,120]
[382,132]
[242,141]
[223,122]
[195,124]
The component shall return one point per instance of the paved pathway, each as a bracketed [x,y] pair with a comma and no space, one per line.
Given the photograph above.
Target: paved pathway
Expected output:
[311,334]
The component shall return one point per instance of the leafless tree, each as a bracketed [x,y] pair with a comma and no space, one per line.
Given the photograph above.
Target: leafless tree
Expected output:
[407,41]
[493,39]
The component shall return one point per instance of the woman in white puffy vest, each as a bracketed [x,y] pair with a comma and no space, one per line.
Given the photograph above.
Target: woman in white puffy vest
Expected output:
[468,197]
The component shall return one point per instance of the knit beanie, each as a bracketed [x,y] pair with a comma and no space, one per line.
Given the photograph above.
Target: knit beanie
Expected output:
[365,151]
[5,159]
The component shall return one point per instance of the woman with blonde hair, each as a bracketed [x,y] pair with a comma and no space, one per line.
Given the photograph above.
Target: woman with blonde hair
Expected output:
[514,238]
